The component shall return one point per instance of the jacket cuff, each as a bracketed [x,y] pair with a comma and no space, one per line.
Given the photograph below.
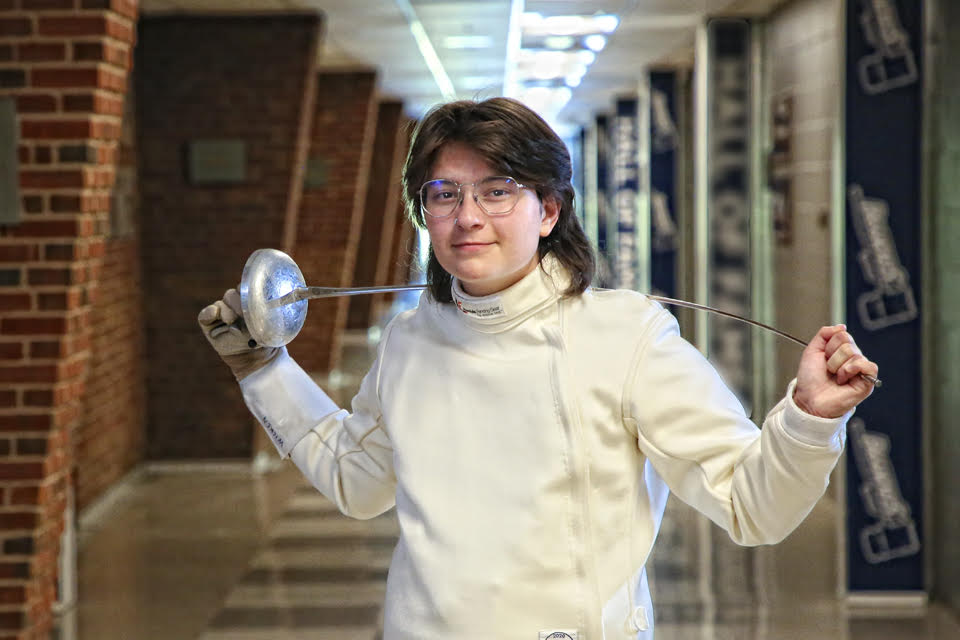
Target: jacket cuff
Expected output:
[286,401]
[810,429]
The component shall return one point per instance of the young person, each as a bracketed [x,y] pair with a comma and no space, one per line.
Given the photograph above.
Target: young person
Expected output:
[527,427]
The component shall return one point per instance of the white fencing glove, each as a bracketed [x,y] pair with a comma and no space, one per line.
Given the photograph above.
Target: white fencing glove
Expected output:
[222,323]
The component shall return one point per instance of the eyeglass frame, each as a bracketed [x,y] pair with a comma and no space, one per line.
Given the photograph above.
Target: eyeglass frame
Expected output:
[476,199]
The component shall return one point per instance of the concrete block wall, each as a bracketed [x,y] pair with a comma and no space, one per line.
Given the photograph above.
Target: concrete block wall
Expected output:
[941,304]
[66,63]
[332,208]
[233,78]
[803,49]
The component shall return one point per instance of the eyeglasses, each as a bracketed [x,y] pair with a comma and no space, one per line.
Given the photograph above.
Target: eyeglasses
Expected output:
[496,195]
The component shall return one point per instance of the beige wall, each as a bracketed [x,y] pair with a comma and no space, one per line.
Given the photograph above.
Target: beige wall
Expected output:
[941,304]
[803,57]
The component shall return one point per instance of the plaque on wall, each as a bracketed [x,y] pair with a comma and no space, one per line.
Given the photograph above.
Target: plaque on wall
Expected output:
[216,162]
[9,166]
[317,172]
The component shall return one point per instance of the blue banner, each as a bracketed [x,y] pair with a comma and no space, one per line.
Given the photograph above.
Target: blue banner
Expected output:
[626,182]
[884,103]
[603,200]
[664,138]
[728,207]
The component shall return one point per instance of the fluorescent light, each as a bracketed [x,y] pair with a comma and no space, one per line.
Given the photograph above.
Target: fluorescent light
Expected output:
[468,42]
[427,51]
[559,42]
[534,24]
[595,42]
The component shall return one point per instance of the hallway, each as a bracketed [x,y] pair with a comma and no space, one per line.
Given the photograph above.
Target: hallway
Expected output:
[197,552]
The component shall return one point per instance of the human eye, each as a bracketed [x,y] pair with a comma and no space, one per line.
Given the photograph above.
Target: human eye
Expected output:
[441,191]
[498,189]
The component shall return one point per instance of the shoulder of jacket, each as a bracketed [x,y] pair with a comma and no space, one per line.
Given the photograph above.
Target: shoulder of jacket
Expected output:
[632,306]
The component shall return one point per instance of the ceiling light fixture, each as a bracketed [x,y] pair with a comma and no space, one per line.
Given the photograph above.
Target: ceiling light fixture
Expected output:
[468,42]
[427,51]
[511,85]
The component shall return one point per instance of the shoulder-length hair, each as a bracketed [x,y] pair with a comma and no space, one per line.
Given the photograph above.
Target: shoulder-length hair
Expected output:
[516,142]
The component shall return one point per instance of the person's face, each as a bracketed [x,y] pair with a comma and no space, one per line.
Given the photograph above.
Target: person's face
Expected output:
[486,253]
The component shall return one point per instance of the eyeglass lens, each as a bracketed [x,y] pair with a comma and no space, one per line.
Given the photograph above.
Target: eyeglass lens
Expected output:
[497,195]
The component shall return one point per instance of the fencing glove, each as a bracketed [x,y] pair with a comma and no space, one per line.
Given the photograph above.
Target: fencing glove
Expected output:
[222,323]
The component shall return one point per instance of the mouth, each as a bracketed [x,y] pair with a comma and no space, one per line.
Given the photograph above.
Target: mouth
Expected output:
[471,245]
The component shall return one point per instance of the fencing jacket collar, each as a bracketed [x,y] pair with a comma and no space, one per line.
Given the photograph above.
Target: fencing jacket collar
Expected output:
[506,309]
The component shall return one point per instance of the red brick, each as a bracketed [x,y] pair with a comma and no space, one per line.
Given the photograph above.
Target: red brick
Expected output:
[12,595]
[46,5]
[125,8]
[38,179]
[48,229]
[6,52]
[76,25]
[14,570]
[11,350]
[57,129]
[15,302]
[8,398]
[34,326]
[58,301]
[25,422]
[22,520]
[15,26]
[24,496]
[50,276]
[60,252]
[38,397]
[18,252]
[41,51]
[36,103]
[47,349]
[66,78]
[33,204]
[28,373]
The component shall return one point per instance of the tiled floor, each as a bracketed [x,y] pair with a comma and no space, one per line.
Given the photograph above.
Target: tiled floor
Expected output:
[226,553]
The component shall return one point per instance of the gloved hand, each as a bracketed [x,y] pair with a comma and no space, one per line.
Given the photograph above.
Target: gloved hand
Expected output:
[222,323]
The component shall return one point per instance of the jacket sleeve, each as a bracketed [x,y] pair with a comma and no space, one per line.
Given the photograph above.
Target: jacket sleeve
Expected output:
[758,484]
[347,456]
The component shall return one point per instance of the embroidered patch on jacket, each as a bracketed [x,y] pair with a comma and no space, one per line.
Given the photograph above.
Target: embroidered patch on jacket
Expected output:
[560,634]
[488,309]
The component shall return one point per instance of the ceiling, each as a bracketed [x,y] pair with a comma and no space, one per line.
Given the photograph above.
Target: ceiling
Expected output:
[380,34]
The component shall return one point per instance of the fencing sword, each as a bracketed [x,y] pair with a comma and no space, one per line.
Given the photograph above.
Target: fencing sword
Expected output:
[274,298]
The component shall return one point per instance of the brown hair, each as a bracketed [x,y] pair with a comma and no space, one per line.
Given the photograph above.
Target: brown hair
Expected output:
[514,141]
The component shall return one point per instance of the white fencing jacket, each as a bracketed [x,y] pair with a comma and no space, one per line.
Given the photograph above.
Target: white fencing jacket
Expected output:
[529,443]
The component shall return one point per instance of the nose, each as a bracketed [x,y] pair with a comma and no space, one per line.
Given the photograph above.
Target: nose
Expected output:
[469,214]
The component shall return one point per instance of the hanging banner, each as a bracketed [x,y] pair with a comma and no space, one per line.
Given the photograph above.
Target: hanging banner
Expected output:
[664,139]
[626,183]
[603,201]
[884,103]
[728,207]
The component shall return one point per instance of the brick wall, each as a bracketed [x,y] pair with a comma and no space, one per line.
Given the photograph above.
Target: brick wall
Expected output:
[403,246]
[246,79]
[66,63]
[380,209]
[109,440]
[331,211]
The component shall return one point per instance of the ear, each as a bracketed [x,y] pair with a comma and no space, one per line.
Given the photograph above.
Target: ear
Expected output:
[549,214]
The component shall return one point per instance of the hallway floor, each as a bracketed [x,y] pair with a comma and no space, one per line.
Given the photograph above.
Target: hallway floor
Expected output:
[224,552]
